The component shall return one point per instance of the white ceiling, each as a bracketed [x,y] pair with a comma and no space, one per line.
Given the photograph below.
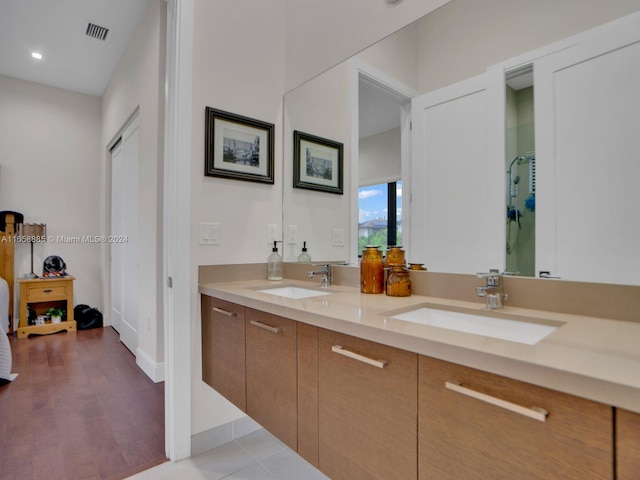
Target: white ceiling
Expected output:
[56,29]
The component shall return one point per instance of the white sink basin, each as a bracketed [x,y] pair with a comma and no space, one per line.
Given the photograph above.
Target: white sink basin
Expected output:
[519,331]
[293,292]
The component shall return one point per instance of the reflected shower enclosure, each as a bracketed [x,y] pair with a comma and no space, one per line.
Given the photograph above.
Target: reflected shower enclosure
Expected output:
[520,176]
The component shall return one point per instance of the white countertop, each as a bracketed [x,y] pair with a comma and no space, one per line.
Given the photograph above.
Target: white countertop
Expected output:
[589,357]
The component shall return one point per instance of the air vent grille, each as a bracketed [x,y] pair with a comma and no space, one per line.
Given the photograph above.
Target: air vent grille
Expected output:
[96,31]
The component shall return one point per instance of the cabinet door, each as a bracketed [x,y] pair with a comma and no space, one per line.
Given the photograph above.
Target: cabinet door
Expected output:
[223,349]
[271,374]
[308,393]
[367,409]
[466,437]
[628,445]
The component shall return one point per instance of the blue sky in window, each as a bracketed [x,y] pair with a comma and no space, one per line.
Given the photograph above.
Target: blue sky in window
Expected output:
[372,202]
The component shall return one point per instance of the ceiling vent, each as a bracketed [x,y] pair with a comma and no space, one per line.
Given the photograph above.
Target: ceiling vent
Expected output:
[97,32]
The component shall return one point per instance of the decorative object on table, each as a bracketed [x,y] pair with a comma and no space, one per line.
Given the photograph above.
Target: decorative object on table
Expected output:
[87,317]
[304,256]
[32,233]
[56,314]
[274,263]
[238,147]
[54,266]
[317,163]
[371,270]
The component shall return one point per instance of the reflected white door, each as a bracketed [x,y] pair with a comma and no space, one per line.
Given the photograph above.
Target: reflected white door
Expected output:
[587,165]
[452,201]
[124,248]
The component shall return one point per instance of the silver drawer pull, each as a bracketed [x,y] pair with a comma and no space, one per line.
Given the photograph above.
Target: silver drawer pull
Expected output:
[266,327]
[224,312]
[356,356]
[536,413]
[48,290]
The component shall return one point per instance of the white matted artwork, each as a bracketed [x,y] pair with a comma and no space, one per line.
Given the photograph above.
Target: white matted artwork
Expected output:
[238,147]
[317,163]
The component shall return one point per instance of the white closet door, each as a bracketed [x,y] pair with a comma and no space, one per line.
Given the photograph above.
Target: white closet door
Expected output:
[456,211]
[587,104]
[124,229]
[117,225]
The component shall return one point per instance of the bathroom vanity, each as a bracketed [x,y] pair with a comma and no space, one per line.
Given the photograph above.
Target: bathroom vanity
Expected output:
[360,392]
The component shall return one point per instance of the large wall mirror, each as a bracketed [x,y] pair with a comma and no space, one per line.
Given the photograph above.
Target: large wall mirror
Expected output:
[365,103]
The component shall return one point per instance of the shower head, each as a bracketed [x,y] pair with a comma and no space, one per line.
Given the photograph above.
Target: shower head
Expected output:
[516,180]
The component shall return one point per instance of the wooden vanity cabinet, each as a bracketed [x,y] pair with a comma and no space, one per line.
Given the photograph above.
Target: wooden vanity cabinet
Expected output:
[223,349]
[271,374]
[308,393]
[367,409]
[466,437]
[627,445]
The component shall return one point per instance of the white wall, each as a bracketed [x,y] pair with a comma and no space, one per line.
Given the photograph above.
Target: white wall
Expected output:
[319,107]
[50,160]
[320,34]
[464,37]
[238,66]
[138,84]
[379,157]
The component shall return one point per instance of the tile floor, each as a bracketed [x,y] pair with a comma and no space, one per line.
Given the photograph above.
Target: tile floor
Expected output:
[256,456]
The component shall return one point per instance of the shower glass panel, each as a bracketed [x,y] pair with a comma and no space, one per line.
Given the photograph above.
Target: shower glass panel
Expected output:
[520,174]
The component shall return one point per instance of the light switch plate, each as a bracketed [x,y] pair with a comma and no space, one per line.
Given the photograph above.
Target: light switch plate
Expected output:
[292,237]
[209,233]
[271,233]
[337,237]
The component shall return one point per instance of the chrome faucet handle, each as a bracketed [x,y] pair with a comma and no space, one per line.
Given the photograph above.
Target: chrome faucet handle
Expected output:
[325,273]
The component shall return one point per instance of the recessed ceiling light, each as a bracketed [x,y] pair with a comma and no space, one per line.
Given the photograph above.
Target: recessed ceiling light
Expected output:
[36,55]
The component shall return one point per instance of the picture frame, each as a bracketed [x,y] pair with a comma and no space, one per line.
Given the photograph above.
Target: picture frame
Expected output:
[317,163]
[237,147]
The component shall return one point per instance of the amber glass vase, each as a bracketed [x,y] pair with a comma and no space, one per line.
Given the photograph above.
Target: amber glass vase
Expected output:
[398,282]
[371,271]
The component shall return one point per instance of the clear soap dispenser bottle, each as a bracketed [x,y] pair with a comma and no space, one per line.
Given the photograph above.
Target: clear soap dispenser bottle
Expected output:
[304,257]
[274,264]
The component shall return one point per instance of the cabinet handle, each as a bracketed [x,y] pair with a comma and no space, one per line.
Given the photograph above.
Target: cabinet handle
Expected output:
[536,413]
[224,312]
[48,290]
[263,326]
[356,356]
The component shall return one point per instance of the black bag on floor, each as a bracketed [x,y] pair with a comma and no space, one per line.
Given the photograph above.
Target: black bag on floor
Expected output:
[87,317]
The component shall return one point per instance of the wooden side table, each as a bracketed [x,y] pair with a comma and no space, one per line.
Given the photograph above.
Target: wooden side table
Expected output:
[41,294]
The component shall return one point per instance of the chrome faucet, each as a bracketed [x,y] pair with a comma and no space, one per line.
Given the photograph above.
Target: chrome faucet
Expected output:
[325,273]
[493,290]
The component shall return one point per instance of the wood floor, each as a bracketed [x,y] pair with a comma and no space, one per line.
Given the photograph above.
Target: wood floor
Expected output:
[79,409]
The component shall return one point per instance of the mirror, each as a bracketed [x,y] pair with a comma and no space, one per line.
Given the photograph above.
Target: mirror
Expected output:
[458,41]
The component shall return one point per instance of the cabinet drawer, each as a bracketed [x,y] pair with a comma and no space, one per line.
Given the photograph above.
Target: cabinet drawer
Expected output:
[628,444]
[44,293]
[482,430]
[367,409]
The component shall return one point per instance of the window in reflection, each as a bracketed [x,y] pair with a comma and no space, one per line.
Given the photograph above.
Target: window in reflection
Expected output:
[380,215]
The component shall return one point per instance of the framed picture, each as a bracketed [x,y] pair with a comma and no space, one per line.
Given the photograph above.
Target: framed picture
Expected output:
[238,147]
[317,163]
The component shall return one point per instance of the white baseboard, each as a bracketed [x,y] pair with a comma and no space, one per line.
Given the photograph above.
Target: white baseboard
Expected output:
[213,437]
[155,371]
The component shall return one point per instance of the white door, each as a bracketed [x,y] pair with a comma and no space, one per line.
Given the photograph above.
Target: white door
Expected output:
[456,206]
[123,236]
[587,133]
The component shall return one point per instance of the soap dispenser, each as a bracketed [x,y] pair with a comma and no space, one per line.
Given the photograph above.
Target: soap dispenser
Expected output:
[304,257]
[274,264]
